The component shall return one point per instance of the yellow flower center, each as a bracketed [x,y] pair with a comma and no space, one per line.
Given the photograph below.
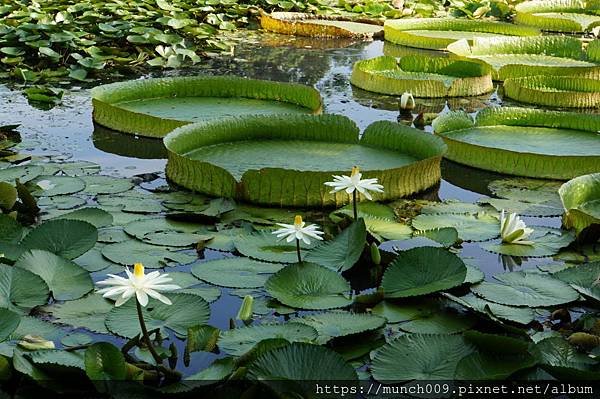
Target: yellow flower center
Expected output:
[138,270]
[355,171]
[298,221]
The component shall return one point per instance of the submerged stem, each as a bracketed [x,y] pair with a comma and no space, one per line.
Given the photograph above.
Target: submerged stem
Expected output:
[298,250]
[145,335]
[354,205]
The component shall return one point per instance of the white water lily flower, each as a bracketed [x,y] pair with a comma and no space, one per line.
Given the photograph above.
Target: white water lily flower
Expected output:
[45,185]
[407,101]
[513,230]
[354,182]
[141,285]
[298,231]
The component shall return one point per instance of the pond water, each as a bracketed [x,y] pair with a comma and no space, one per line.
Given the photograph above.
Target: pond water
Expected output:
[67,131]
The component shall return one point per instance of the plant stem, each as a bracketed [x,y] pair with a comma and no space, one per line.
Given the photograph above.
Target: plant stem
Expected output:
[298,250]
[147,340]
[354,205]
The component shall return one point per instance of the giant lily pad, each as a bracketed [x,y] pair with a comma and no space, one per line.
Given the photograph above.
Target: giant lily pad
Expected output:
[240,340]
[581,200]
[529,56]
[526,289]
[552,91]
[421,271]
[287,160]
[524,142]
[309,286]
[558,15]
[422,76]
[301,24]
[154,107]
[438,33]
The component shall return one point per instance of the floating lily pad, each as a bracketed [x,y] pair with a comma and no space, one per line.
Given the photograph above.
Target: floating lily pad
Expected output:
[309,286]
[523,208]
[384,229]
[266,246]
[422,76]
[552,91]
[191,285]
[20,289]
[94,216]
[547,241]
[49,186]
[148,226]
[138,203]
[421,271]
[62,202]
[338,324]
[519,315]
[425,317]
[130,252]
[563,361]
[111,235]
[420,357]
[525,142]
[295,368]
[229,161]
[93,261]
[67,238]
[527,190]
[105,185]
[526,289]
[479,227]
[235,272]
[438,33]
[581,200]
[154,107]
[88,312]
[66,279]
[24,173]
[304,24]
[343,252]
[582,278]
[240,340]
[529,56]
[186,311]
[558,16]
[9,321]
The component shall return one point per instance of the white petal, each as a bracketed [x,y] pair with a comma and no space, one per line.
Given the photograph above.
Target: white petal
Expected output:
[142,297]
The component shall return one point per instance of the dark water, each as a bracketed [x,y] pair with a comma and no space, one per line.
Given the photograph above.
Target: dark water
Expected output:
[67,131]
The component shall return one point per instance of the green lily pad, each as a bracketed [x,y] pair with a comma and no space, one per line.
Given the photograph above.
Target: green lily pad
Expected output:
[524,208]
[9,321]
[580,198]
[582,278]
[148,226]
[129,252]
[558,16]
[235,272]
[11,231]
[66,280]
[306,24]
[67,238]
[266,246]
[420,357]
[527,190]
[93,261]
[309,286]
[564,361]
[547,241]
[479,227]
[57,185]
[94,216]
[421,271]
[334,324]
[519,315]
[87,312]
[24,173]
[343,252]
[426,317]
[240,340]
[186,311]
[20,289]
[300,363]
[61,202]
[96,184]
[191,285]
[526,289]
